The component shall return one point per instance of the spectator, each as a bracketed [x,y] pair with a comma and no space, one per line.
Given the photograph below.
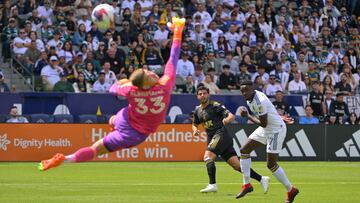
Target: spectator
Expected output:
[3,86]
[227,79]
[198,75]
[214,89]
[272,86]
[353,119]
[63,85]
[301,64]
[312,72]
[215,32]
[343,86]
[296,85]
[212,62]
[209,45]
[151,56]
[198,35]
[204,15]
[339,107]
[80,34]
[231,62]
[268,61]
[89,73]
[214,77]
[161,34]
[350,77]
[51,73]
[15,117]
[264,77]
[281,76]
[81,85]
[327,84]
[308,118]
[46,12]
[328,101]
[315,100]
[332,119]
[246,58]
[168,13]
[21,44]
[279,103]
[190,85]
[101,86]
[126,35]
[110,76]
[243,75]
[232,37]
[31,55]
[184,66]
[259,84]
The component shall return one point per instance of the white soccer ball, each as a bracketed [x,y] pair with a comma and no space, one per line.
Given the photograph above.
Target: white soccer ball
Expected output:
[102,16]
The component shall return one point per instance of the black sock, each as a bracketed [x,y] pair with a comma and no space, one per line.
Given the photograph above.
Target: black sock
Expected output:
[211,171]
[255,175]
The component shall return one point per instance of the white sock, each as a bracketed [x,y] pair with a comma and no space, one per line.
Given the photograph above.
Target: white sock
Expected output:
[70,158]
[245,164]
[279,173]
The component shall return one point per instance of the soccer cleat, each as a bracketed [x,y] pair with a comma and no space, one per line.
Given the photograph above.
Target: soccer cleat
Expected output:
[210,188]
[244,190]
[265,183]
[291,195]
[55,161]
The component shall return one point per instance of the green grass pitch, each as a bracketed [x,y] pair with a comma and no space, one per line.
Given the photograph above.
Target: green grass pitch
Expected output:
[319,182]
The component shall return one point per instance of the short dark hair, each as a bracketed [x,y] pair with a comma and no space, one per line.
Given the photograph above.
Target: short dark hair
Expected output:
[201,87]
[226,66]
[308,105]
[246,83]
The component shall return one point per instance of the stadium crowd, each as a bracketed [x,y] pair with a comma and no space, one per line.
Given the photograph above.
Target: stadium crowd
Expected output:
[284,47]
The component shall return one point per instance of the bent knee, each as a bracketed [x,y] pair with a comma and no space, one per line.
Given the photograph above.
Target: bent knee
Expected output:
[272,166]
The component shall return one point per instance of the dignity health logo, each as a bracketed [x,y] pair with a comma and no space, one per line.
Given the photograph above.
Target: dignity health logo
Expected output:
[4,142]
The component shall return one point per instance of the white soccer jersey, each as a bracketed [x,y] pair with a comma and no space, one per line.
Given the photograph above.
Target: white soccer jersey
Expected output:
[261,105]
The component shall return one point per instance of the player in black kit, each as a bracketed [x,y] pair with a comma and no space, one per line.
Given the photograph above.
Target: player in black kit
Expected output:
[316,100]
[214,116]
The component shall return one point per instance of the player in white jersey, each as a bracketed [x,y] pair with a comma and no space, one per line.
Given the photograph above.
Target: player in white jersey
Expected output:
[271,132]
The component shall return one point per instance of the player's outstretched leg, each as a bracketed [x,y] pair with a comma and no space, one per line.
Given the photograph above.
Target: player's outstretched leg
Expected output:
[280,175]
[81,155]
[234,162]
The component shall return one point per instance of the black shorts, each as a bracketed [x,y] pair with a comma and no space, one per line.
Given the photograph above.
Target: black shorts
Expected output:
[222,144]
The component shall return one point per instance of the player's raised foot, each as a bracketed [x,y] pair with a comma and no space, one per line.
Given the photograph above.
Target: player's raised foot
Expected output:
[265,183]
[291,195]
[55,161]
[210,188]
[244,190]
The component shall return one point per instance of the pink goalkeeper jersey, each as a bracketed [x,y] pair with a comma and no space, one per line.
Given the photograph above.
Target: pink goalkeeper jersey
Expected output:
[147,108]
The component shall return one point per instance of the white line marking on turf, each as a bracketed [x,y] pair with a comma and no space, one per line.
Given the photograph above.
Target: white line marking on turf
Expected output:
[164,184]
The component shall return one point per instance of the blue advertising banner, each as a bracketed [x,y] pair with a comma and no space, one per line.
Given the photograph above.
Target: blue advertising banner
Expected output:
[78,103]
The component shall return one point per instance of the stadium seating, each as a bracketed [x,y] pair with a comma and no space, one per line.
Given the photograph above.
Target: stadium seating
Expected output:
[41,118]
[63,118]
[167,119]
[182,118]
[88,118]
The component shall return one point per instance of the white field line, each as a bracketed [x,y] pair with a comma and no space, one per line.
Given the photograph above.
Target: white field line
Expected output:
[96,184]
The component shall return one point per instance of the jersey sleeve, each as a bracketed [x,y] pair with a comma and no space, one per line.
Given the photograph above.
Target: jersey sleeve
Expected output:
[222,110]
[121,88]
[168,79]
[196,118]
